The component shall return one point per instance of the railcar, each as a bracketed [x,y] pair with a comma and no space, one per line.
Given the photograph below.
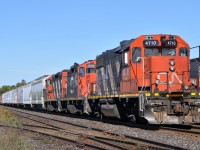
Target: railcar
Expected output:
[4,98]
[20,95]
[38,92]
[27,95]
[14,96]
[32,94]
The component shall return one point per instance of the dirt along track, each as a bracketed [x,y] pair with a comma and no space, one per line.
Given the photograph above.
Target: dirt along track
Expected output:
[82,135]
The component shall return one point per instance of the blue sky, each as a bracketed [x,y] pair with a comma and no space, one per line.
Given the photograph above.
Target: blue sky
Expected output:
[40,37]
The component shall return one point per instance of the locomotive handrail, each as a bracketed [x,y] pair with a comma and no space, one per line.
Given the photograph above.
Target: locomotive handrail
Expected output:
[142,71]
[167,83]
[167,72]
[196,47]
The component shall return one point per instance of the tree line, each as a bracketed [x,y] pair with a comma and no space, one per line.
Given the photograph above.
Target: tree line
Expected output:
[6,88]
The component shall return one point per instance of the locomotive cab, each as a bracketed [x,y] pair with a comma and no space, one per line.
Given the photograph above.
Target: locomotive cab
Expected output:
[87,78]
[160,64]
[87,83]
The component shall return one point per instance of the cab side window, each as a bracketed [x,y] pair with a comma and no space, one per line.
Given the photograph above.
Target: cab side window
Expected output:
[82,71]
[183,51]
[49,82]
[136,53]
[125,58]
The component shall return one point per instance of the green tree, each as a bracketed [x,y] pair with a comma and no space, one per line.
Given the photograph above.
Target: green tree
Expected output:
[7,88]
[19,84]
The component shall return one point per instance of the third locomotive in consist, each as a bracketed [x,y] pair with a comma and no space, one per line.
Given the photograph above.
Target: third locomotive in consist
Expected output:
[143,79]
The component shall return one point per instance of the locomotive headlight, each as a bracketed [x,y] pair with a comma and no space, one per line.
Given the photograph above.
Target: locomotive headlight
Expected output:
[172,68]
[186,87]
[172,37]
[172,62]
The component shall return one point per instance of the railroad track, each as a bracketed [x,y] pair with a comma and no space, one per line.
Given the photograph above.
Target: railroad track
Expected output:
[81,139]
[185,130]
[196,126]
[101,138]
[48,132]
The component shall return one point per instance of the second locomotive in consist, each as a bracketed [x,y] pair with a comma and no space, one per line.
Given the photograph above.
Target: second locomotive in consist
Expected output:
[143,79]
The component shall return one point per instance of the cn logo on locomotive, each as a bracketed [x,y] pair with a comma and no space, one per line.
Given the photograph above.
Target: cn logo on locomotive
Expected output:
[174,77]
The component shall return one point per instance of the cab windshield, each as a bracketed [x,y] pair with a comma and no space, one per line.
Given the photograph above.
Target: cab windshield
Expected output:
[160,52]
[90,70]
[151,52]
[168,52]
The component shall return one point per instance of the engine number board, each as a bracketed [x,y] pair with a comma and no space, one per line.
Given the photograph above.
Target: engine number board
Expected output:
[171,43]
[150,43]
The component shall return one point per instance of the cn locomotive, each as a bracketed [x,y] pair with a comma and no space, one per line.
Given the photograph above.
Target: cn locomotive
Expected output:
[144,79]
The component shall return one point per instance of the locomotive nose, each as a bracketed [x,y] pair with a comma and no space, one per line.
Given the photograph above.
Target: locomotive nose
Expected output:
[167,75]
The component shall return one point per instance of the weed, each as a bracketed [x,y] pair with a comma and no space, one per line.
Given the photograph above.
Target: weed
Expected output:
[10,139]
[6,117]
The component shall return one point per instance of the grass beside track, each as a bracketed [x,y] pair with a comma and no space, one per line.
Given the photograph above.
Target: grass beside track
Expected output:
[10,138]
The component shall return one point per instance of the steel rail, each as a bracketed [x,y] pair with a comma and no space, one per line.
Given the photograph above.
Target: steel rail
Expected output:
[181,130]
